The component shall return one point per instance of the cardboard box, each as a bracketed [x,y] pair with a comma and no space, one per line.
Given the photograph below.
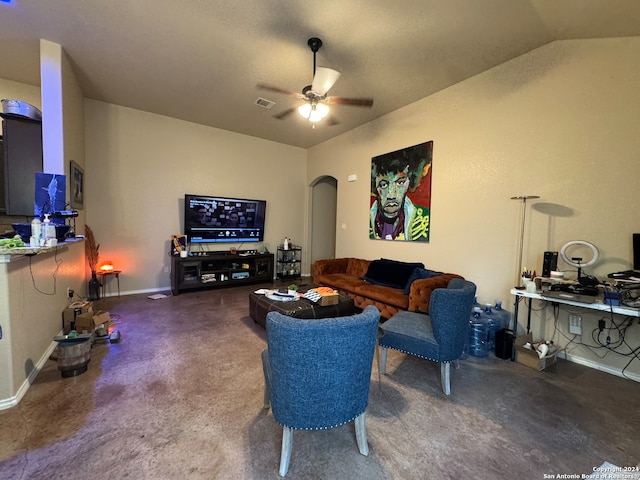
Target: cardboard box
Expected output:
[88,322]
[530,358]
[68,314]
[329,299]
[323,296]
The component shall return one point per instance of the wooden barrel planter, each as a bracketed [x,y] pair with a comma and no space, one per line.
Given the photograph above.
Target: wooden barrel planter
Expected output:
[73,356]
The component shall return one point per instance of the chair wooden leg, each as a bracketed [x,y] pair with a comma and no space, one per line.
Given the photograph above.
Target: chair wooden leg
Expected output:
[361,434]
[382,367]
[445,377]
[285,455]
[267,400]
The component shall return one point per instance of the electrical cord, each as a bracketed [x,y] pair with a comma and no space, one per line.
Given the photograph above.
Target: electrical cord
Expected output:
[58,262]
[598,343]
[609,345]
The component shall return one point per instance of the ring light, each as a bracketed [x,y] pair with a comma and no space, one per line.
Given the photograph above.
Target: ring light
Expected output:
[594,252]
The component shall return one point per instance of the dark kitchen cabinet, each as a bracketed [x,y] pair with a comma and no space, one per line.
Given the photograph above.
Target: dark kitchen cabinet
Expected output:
[22,148]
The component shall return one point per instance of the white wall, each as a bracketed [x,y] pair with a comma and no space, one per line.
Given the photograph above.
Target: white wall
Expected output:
[561,122]
[20,91]
[140,165]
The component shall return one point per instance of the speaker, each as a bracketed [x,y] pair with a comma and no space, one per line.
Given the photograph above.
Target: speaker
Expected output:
[504,343]
[636,251]
[549,263]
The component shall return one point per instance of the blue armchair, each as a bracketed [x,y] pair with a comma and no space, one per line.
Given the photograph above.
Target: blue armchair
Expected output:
[439,336]
[317,373]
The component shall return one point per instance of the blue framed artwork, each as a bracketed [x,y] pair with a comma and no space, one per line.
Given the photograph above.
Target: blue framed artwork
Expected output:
[50,194]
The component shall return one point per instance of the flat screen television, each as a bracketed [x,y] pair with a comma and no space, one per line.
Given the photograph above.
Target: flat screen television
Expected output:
[209,219]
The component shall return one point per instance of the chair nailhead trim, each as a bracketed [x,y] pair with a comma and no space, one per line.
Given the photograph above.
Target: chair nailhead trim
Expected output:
[419,356]
[326,428]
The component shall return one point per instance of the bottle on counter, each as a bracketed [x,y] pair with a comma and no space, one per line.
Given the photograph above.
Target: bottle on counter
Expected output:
[36,232]
[48,230]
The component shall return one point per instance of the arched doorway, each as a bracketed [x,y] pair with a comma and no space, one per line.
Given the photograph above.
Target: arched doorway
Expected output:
[324,193]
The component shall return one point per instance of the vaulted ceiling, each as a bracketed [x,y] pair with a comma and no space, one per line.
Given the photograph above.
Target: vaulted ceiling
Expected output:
[201,61]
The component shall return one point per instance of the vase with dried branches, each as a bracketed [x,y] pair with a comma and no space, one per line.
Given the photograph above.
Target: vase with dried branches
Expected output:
[92,252]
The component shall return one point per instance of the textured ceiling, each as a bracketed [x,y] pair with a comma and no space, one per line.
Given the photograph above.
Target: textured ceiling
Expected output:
[201,60]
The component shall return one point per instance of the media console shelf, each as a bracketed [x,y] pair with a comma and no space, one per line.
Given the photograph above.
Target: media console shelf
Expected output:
[219,270]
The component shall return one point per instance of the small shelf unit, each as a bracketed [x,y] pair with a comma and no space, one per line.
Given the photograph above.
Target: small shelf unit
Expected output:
[289,263]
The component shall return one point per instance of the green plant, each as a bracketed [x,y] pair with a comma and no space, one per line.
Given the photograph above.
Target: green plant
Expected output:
[293,287]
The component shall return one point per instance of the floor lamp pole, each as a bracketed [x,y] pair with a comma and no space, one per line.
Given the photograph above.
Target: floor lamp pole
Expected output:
[524,199]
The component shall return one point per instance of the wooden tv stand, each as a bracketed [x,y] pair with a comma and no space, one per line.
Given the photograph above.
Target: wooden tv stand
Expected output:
[215,270]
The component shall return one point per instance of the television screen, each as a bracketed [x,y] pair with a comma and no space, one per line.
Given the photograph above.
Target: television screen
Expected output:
[210,219]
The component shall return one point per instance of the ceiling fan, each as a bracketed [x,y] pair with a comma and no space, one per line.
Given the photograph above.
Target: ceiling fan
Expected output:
[315,95]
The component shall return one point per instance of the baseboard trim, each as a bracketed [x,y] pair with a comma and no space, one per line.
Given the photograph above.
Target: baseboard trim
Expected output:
[596,366]
[13,401]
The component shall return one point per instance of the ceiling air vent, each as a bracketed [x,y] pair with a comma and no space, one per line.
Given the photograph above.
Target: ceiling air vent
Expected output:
[264,103]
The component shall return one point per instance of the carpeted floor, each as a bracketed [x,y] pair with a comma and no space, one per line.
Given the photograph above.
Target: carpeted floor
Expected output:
[181,397]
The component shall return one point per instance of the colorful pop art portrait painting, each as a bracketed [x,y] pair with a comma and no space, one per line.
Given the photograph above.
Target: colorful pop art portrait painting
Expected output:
[400,201]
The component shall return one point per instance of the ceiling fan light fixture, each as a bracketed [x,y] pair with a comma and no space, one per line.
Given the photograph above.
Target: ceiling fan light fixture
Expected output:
[313,112]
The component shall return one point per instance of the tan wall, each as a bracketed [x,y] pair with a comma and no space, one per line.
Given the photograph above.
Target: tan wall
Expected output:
[561,122]
[140,165]
[33,290]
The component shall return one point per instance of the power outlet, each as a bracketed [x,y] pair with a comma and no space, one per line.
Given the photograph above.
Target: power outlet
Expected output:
[575,324]
[70,292]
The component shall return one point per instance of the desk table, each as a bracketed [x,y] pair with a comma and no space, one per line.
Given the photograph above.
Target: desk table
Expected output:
[596,305]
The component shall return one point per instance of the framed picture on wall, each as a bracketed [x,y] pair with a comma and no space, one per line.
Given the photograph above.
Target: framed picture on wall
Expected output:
[400,197]
[76,186]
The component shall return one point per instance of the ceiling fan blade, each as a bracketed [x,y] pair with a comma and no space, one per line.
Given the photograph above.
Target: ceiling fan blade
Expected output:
[263,86]
[354,102]
[284,114]
[323,80]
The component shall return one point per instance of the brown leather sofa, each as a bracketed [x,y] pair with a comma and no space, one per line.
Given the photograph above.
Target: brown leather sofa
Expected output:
[348,276]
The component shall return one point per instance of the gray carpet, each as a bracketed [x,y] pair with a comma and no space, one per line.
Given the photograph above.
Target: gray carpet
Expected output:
[181,397]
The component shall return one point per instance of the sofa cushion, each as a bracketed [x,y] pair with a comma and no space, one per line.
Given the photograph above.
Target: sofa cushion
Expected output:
[341,281]
[357,267]
[419,273]
[390,273]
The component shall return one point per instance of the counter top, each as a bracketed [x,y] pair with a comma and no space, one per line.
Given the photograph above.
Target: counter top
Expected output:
[6,254]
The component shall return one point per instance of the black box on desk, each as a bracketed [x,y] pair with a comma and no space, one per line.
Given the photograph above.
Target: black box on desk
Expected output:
[549,263]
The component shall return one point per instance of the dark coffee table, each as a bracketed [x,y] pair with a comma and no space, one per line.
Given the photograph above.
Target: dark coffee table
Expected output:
[260,305]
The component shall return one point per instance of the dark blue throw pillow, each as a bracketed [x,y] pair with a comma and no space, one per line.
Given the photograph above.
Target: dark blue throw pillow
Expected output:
[417,274]
[390,273]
